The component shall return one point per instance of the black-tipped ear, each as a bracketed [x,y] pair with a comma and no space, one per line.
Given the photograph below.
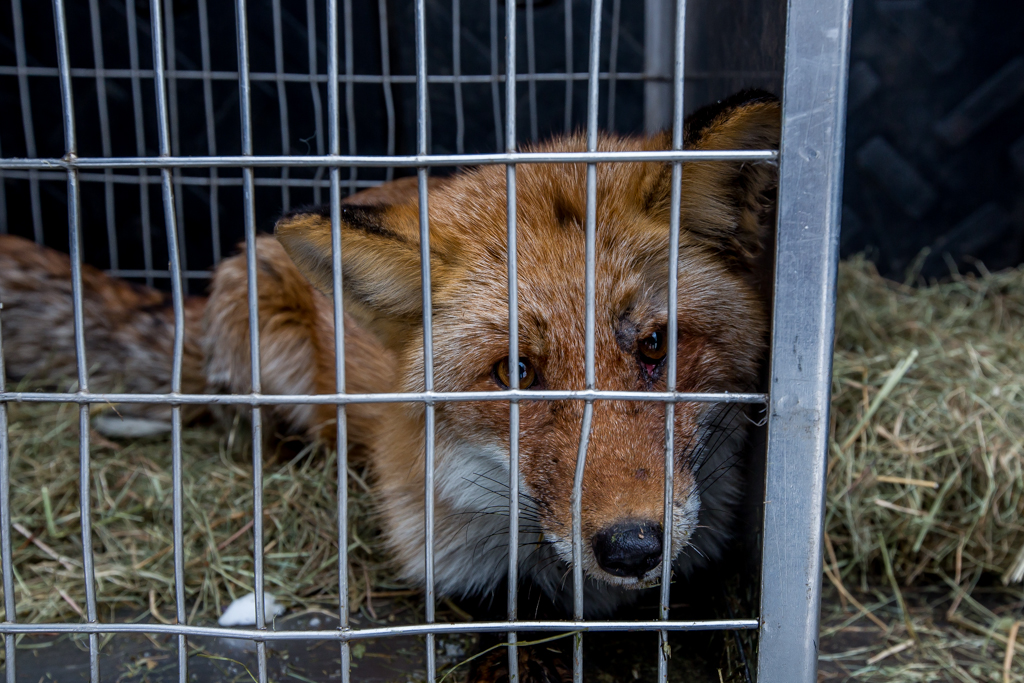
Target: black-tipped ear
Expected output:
[380,261]
[730,205]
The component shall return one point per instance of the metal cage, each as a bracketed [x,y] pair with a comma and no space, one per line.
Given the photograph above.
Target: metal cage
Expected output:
[810,160]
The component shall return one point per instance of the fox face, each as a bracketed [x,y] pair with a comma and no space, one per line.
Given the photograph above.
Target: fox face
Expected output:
[726,220]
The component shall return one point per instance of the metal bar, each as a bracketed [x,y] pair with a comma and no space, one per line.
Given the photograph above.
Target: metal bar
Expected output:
[175,267]
[422,143]
[567,127]
[664,650]
[810,186]
[350,103]
[385,70]
[282,99]
[590,305]
[202,181]
[314,87]
[511,133]
[349,635]
[658,37]
[495,96]
[140,136]
[613,58]
[334,141]
[531,68]
[256,399]
[460,123]
[101,102]
[75,239]
[171,59]
[6,556]
[249,217]
[3,200]
[405,161]
[211,128]
[26,115]
[374,79]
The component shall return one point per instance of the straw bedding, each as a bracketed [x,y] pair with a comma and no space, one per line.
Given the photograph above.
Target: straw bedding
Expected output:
[925,482]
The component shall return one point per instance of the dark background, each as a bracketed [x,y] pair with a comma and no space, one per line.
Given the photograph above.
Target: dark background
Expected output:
[935,147]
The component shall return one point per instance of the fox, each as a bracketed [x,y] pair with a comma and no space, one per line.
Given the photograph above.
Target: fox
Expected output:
[727,216]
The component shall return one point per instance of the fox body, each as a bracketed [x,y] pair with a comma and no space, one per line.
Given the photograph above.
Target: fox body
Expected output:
[726,219]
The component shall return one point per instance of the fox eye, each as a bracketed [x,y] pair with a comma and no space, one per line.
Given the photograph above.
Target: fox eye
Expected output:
[527,373]
[652,349]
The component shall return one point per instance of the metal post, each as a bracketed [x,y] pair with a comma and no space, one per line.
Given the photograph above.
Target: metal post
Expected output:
[810,175]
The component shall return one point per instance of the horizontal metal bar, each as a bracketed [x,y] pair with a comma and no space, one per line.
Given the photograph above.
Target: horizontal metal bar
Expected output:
[188,274]
[386,631]
[429,397]
[408,161]
[195,74]
[199,181]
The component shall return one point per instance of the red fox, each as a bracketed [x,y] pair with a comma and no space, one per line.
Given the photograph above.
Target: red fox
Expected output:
[727,218]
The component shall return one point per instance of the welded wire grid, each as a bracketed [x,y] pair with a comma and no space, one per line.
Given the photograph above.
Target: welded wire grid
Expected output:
[807,231]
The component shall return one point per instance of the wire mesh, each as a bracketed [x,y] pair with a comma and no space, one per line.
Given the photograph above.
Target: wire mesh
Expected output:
[218,166]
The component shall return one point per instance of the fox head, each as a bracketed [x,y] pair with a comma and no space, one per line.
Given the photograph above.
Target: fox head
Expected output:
[727,217]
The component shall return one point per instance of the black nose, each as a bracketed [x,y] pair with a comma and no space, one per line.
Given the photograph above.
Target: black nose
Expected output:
[630,548]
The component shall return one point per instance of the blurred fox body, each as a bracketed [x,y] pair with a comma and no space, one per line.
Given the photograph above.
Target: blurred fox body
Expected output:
[726,217]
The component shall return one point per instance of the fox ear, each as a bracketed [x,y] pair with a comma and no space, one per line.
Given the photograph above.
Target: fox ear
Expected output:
[730,205]
[380,261]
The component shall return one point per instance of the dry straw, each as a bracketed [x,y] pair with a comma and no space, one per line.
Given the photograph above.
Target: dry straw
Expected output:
[927,458]
[928,427]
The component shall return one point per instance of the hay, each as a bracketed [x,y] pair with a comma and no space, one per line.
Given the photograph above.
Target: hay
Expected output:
[132,523]
[927,465]
[928,433]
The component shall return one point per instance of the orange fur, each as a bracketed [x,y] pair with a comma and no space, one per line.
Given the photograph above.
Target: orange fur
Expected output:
[726,218]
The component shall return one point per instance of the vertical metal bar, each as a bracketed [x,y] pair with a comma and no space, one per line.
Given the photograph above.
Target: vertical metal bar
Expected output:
[810,186]
[460,123]
[678,82]
[249,216]
[6,558]
[314,87]
[175,267]
[613,60]
[140,138]
[531,69]
[101,102]
[422,147]
[567,126]
[658,37]
[385,71]
[350,102]
[591,270]
[513,339]
[28,127]
[495,93]
[211,128]
[75,230]
[282,100]
[171,52]
[3,203]
[334,141]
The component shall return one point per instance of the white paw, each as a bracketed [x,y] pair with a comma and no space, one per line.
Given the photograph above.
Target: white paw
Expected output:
[115,426]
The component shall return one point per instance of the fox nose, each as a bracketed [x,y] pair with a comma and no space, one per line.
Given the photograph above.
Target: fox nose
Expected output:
[629,548]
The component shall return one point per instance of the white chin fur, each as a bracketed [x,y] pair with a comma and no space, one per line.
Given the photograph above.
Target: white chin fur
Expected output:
[471,556]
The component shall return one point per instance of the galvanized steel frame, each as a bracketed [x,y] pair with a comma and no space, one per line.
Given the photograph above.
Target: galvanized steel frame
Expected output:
[810,161]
